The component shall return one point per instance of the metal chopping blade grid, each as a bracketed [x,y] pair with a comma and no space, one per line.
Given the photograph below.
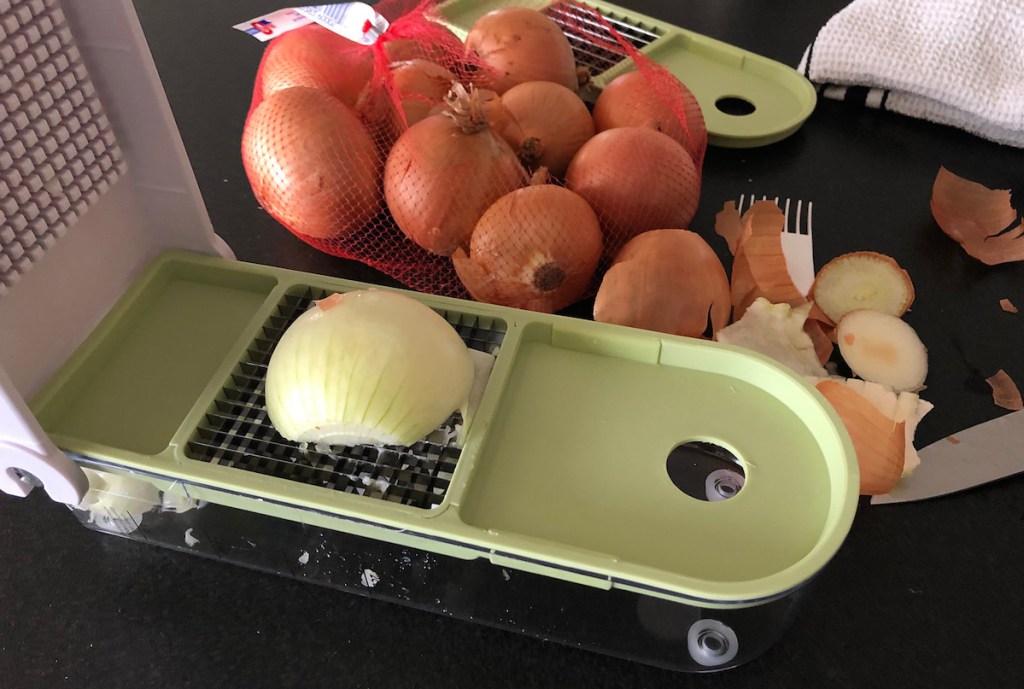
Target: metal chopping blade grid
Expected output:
[236,431]
[589,37]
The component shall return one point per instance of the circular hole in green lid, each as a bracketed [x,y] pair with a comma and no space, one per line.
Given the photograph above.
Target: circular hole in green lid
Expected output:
[734,105]
[706,471]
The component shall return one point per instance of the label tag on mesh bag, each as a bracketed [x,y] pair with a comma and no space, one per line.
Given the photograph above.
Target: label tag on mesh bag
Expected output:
[356,21]
[273,25]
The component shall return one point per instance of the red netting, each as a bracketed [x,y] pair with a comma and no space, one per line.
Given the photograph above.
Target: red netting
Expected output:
[415,155]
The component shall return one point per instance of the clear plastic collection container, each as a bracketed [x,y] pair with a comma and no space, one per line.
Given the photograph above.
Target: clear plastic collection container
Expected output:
[626,624]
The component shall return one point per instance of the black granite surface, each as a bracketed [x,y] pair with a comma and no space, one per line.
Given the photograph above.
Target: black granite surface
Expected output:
[921,595]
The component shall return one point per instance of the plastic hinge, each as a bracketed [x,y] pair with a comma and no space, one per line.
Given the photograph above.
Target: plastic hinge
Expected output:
[27,453]
[62,479]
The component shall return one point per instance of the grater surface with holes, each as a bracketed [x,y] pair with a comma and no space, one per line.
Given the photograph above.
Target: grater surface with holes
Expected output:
[59,153]
[572,471]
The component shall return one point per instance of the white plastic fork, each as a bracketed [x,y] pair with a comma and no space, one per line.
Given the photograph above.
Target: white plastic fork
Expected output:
[797,236]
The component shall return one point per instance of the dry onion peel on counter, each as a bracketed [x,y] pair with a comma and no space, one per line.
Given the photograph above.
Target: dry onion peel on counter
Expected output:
[821,337]
[759,266]
[667,281]
[862,280]
[1004,391]
[367,367]
[881,419]
[879,442]
[822,331]
[729,226]
[883,349]
[777,331]
[535,248]
[978,218]
[902,407]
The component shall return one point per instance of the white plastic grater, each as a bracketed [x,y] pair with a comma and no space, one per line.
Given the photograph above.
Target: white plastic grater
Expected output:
[94,182]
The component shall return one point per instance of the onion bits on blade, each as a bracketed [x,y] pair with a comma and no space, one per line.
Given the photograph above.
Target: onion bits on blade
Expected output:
[444,172]
[367,367]
[536,248]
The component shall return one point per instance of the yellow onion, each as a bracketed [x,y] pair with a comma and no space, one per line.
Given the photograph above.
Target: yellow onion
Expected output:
[445,171]
[535,248]
[635,179]
[777,331]
[432,41]
[549,124]
[862,280]
[653,98]
[311,163]
[316,57]
[905,407]
[520,44]
[883,349]
[420,85]
[367,367]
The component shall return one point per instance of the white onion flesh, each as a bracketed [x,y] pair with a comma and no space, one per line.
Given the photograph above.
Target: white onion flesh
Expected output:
[777,331]
[118,503]
[367,367]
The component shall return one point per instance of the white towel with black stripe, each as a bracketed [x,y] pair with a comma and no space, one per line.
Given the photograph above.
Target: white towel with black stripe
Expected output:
[955,62]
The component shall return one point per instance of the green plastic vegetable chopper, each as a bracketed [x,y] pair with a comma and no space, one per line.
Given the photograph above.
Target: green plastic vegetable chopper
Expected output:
[660,498]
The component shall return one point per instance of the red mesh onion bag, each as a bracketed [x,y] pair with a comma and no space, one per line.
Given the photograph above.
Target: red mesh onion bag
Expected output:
[432,161]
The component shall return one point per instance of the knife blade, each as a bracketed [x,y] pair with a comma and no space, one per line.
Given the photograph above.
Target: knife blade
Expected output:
[981,454]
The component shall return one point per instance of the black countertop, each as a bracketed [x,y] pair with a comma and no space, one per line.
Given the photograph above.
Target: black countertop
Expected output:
[928,594]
